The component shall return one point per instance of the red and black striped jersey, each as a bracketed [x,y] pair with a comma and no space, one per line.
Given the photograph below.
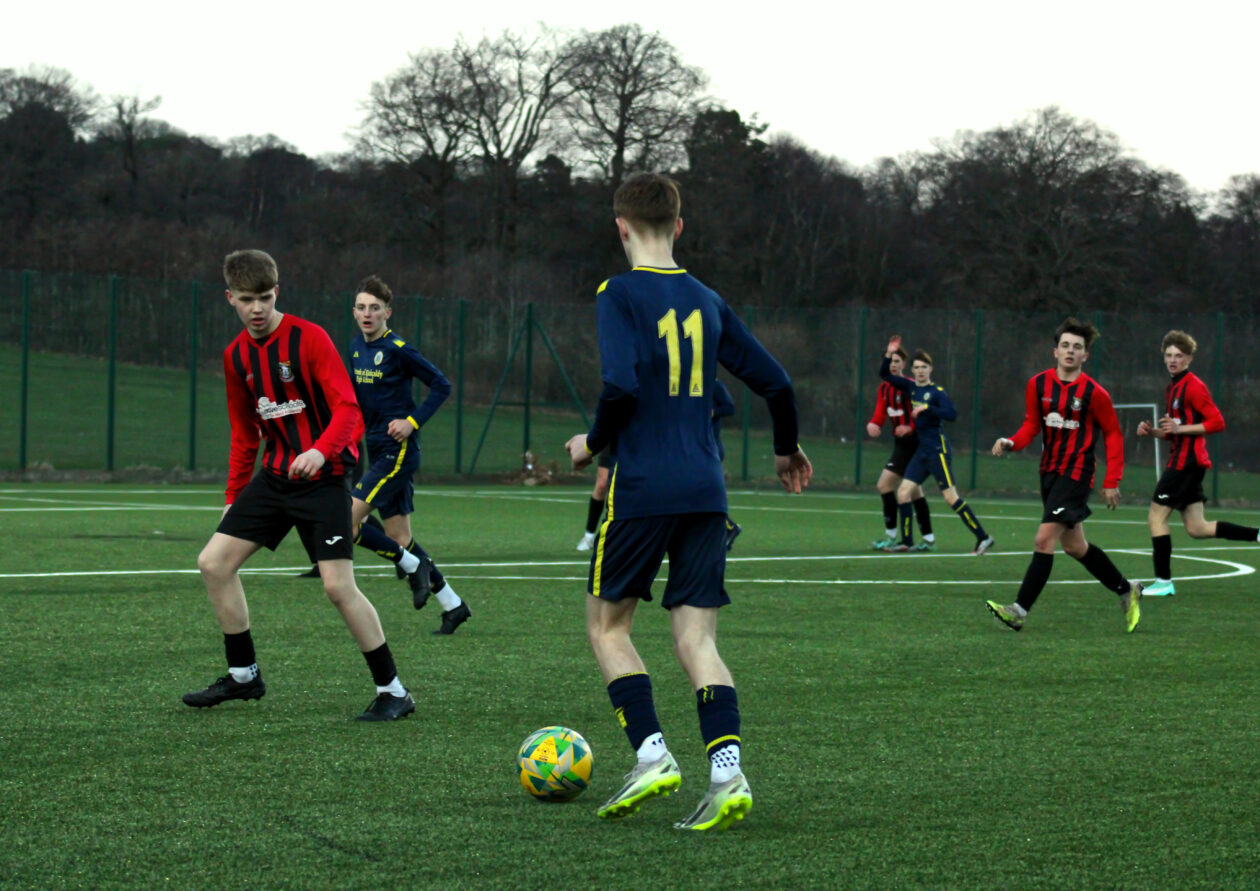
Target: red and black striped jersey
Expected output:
[1188,401]
[891,404]
[1069,417]
[291,389]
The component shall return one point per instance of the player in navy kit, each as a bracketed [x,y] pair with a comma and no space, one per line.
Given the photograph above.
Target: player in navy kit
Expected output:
[1069,409]
[662,335]
[1190,415]
[930,407]
[892,406]
[286,384]
[384,365]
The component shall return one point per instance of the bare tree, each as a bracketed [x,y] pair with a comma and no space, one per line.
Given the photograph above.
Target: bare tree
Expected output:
[632,100]
[128,126]
[420,117]
[53,88]
[514,83]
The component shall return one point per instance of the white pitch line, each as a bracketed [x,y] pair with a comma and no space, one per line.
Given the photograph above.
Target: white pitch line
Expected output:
[1238,569]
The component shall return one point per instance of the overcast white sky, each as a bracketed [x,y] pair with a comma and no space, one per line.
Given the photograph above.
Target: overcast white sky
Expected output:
[1175,81]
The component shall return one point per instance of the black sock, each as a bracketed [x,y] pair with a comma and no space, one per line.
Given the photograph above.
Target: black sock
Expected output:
[381,663]
[1161,555]
[239,649]
[890,509]
[1233,532]
[905,513]
[1035,578]
[631,696]
[594,511]
[719,717]
[376,541]
[923,515]
[968,517]
[1099,565]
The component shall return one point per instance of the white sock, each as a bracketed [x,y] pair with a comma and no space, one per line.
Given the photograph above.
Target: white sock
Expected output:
[1159,581]
[724,764]
[409,562]
[447,597]
[930,537]
[1018,610]
[244,675]
[891,533]
[393,688]
[652,748]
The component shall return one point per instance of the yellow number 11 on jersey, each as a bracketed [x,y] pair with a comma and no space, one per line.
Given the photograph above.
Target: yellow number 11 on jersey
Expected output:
[692,327]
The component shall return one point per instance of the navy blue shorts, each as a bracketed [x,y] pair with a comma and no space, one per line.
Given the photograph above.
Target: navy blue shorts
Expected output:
[271,505]
[931,459]
[387,485]
[628,555]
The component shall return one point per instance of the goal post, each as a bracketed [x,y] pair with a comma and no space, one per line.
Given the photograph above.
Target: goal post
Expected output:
[1141,409]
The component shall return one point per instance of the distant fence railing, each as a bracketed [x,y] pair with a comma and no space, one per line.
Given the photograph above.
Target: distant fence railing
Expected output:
[106,373]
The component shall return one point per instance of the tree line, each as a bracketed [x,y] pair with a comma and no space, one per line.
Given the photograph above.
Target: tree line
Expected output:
[485,170]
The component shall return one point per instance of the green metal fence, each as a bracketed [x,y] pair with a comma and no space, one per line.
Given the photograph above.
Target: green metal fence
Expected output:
[115,374]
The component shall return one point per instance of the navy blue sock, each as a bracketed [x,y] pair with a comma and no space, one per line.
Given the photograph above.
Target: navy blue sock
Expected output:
[376,541]
[905,511]
[719,717]
[965,513]
[631,696]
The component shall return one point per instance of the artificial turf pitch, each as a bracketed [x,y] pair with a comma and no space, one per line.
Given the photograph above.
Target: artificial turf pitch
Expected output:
[894,735]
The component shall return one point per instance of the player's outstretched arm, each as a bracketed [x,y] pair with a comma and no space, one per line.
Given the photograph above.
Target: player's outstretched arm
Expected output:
[1002,446]
[794,471]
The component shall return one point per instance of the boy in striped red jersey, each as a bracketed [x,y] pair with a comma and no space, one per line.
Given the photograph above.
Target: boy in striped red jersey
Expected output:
[1189,415]
[892,407]
[1071,412]
[286,384]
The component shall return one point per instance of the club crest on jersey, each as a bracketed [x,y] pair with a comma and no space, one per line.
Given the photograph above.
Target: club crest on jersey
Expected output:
[286,372]
[1076,403]
[379,357]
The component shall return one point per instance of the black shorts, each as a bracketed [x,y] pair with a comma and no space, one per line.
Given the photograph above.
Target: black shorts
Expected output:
[271,505]
[628,555]
[1064,499]
[904,448]
[1179,489]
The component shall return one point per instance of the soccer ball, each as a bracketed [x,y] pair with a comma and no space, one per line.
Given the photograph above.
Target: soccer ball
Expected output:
[555,764]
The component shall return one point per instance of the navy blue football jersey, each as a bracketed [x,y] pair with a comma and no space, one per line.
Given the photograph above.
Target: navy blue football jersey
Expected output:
[939,407]
[662,335]
[382,371]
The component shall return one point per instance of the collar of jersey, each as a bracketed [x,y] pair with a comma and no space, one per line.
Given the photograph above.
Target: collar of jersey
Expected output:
[675,271]
[384,334]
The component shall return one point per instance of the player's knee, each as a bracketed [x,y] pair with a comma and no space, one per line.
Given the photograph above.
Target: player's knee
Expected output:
[212,565]
[1076,549]
[1044,542]
[340,593]
[1200,529]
